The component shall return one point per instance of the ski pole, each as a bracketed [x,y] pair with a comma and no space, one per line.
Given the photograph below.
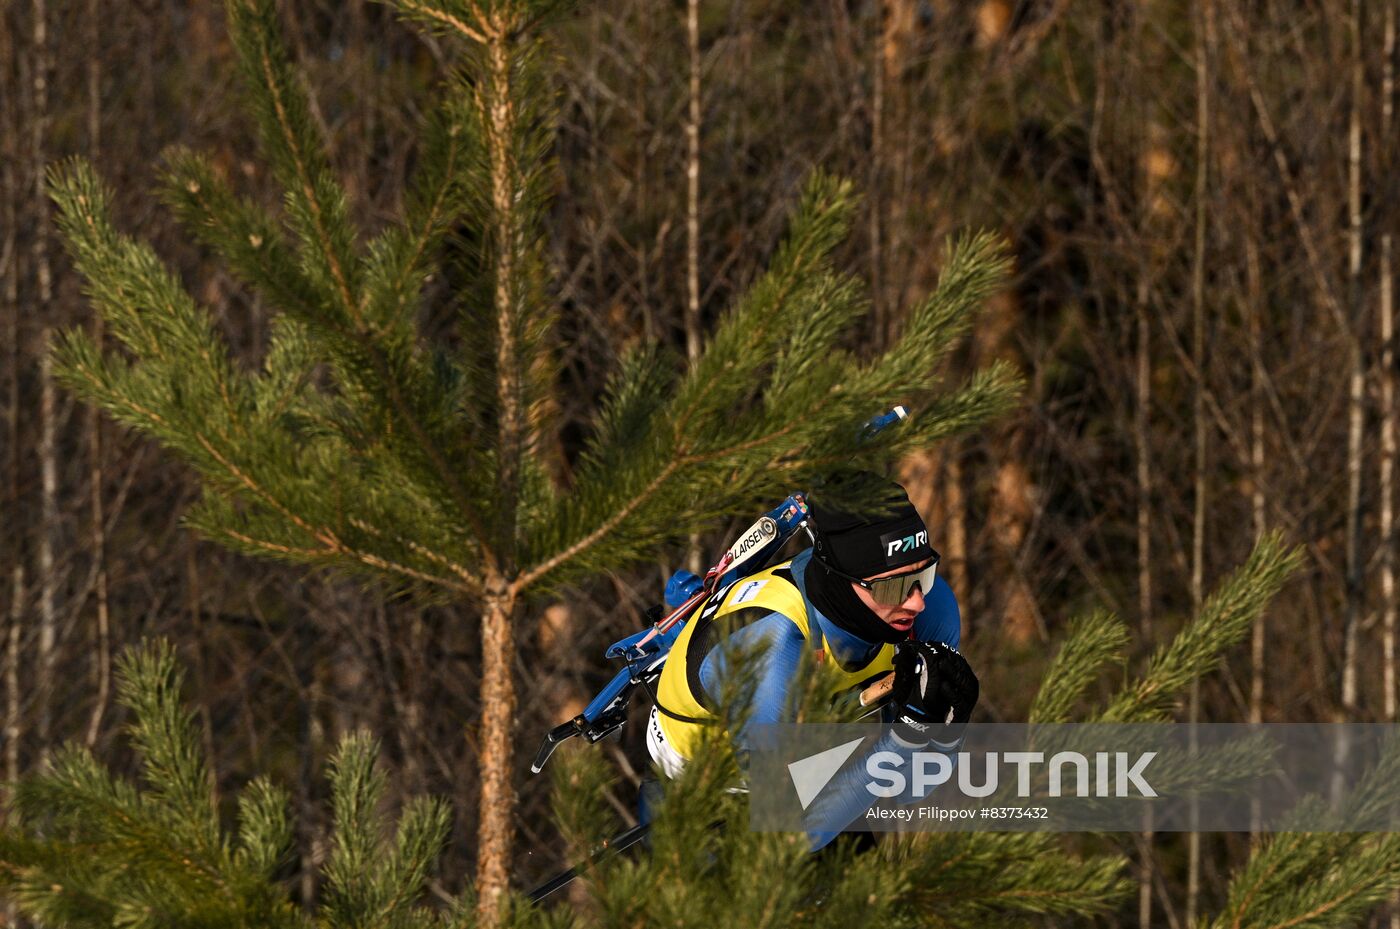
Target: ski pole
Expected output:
[616,844]
[878,690]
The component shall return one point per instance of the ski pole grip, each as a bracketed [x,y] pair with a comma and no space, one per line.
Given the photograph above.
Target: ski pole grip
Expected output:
[878,690]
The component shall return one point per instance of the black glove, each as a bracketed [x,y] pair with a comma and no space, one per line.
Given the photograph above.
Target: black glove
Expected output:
[934,693]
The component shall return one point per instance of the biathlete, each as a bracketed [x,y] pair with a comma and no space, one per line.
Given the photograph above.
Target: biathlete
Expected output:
[866,597]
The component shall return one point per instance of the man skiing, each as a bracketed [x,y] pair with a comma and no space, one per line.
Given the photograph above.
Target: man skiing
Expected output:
[866,597]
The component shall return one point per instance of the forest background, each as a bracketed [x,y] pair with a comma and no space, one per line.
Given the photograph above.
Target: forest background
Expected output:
[1199,200]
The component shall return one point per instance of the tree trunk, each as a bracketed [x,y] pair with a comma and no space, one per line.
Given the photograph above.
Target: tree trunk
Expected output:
[1142,418]
[48,451]
[558,684]
[641,154]
[889,161]
[1010,502]
[501,116]
[13,547]
[957,524]
[1355,592]
[933,479]
[312,750]
[47,570]
[103,632]
[692,186]
[1387,396]
[1387,413]
[1010,511]
[495,814]
[873,196]
[1356,398]
[694,555]
[1149,181]
[1204,46]
[1259,639]
[495,823]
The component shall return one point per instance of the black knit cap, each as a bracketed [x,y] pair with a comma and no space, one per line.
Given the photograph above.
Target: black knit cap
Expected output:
[865,525]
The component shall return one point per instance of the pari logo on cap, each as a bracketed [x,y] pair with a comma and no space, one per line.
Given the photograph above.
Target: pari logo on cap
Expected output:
[896,544]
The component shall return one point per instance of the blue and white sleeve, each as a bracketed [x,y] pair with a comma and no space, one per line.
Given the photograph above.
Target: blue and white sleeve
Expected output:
[782,643]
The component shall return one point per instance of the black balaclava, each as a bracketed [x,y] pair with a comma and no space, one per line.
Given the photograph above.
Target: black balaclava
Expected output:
[875,529]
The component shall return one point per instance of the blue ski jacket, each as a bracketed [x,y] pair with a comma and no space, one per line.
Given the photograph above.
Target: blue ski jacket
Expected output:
[783,644]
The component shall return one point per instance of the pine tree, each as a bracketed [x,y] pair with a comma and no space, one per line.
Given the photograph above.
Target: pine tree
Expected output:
[1315,879]
[363,445]
[97,851]
[103,851]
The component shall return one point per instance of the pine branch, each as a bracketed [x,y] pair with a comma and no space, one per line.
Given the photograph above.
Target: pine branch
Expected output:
[533,575]
[965,878]
[357,789]
[316,202]
[1225,618]
[359,544]
[371,882]
[96,851]
[444,18]
[1092,642]
[147,306]
[989,393]
[1322,879]
[632,396]
[51,879]
[164,733]
[264,831]
[422,835]
[318,212]
[974,268]
[239,232]
[399,259]
[124,828]
[688,437]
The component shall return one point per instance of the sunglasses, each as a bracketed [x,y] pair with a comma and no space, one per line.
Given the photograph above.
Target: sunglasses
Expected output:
[893,590]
